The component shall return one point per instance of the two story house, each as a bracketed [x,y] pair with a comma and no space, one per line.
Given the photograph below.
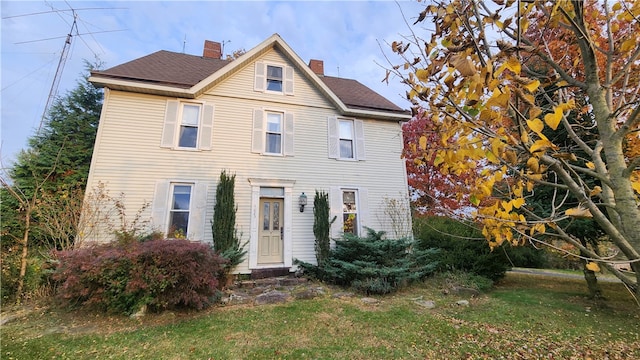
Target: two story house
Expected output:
[172,122]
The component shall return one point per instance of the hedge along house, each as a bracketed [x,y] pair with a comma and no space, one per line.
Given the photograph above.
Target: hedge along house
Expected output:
[171,123]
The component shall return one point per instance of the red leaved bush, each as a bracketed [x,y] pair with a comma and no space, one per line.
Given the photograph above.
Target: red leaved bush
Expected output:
[160,273]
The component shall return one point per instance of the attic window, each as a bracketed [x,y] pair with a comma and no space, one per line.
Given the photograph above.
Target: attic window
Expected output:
[274,78]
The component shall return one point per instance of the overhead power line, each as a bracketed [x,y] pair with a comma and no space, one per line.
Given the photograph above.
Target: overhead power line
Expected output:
[51,11]
[56,78]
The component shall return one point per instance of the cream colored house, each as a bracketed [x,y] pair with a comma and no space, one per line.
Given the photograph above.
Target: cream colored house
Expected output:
[171,123]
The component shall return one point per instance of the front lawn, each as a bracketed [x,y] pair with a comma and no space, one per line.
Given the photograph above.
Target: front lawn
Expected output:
[524,317]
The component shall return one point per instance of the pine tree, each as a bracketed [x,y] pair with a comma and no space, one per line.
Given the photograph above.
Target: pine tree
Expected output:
[61,151]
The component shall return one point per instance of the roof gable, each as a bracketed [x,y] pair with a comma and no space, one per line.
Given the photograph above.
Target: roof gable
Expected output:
[183,75]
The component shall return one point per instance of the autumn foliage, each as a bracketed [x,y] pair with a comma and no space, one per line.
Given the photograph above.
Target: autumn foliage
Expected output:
[432,191]
[530,95]
[161,274]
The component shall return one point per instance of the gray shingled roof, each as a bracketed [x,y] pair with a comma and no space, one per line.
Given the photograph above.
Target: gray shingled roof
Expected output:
[357,96]
[184,71]
[167,68]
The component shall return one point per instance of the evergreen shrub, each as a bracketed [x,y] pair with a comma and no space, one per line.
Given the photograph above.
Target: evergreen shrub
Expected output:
[223,226]
[373,265]
[160,274]
[464,248]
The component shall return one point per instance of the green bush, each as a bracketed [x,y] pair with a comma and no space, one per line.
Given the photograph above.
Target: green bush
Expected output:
[373,265]
[35,277]
[463,247]
[159,273]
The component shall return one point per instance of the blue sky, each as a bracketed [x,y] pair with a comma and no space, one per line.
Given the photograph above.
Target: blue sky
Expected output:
[344,34]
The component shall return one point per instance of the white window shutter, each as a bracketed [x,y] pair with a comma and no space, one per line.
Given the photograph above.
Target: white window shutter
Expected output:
[288,80]
[159,207]
[333,137]
[198,212]
[363,210]
[170,120]
[260,79]
[360,148]
[289,145]
[206,128]
[257,143]
[335,210]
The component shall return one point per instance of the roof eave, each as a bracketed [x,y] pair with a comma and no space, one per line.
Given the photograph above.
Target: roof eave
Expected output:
[145,88]
[380,115]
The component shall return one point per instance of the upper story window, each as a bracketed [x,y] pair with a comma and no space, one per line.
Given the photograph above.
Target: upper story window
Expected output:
[273,78]
[272,133]
[346,139]
[187,125]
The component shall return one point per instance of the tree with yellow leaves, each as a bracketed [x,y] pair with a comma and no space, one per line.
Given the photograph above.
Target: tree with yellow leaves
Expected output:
[504,78]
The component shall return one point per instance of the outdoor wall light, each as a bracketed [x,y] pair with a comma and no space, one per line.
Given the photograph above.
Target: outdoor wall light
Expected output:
[302,201]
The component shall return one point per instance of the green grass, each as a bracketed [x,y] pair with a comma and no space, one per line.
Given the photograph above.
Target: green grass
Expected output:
[524,317]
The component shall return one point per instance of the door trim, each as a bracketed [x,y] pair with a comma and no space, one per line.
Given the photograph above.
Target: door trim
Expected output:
[287,249]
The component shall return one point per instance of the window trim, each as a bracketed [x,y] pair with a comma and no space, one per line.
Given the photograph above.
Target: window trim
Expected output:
[354,156]
[180,121]
[267,132]
[356,196]
[267,78]
[171,210]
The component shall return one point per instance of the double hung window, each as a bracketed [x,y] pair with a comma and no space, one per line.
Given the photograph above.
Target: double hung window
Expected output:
[187,125]
[274,78]
[188,137]
[346,139]
[274,133]
[349,212]
[179,211]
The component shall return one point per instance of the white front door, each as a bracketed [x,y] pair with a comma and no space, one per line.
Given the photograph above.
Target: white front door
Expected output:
[271,231]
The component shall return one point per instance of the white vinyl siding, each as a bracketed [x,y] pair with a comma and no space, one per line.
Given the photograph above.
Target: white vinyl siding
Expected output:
[337,139]
[274,78]
[127,159]
[264,132]
[182,118]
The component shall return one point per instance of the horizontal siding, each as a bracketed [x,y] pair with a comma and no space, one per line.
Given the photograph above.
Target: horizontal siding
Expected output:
[129,160]
[241,85]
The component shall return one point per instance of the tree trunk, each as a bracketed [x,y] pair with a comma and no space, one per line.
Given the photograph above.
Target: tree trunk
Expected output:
[592,283]
[23,258]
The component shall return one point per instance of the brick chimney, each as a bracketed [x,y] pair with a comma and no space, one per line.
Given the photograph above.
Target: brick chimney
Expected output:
[317,66]
[212,50]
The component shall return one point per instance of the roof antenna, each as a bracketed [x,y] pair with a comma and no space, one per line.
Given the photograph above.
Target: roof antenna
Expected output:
[184,43]
[224,42]
[338,70]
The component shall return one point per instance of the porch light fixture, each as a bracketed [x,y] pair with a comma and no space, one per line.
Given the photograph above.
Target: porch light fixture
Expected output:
[302,201]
